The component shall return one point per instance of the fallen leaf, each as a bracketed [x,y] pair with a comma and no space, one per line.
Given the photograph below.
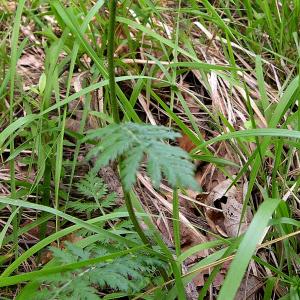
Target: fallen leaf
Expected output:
[232,215]
[193,106]
[229,201]
[208,177]
[248,287]
[219,279]
[30,67]
[35,232]
[199,279]
[188,238]
[215,220]
[186,144]
[73,125]
[47,255]
[111,178]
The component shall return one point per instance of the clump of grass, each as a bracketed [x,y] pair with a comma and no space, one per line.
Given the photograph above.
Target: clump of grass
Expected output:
[225,75]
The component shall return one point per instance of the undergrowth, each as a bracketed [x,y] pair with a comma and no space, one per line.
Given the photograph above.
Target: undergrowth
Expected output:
[128,274]
[96,97]
[95,193]
[134,142]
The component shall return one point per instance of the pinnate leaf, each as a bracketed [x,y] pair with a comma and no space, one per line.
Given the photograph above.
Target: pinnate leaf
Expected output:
[134,142]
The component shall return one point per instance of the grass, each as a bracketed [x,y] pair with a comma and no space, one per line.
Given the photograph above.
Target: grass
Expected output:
[225,74]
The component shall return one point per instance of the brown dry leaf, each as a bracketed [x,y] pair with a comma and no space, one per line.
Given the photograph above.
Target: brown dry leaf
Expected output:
[190,101]
[111,178]
[215,220]
[219,279]
[47,254]
[35,232]
[227,221]
[185,143]
[30,67]
[71,238]
[187,205]
[232,216]
[199,279]
[248,287]
[208,177]
[73,125]
[188,238]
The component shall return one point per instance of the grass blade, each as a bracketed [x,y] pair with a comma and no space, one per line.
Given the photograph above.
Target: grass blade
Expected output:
[252,238]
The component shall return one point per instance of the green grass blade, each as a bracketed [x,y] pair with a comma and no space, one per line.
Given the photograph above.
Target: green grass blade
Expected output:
[55,236]
[6,226]
[262,89]
[252,238]
[267,132]
[7,281]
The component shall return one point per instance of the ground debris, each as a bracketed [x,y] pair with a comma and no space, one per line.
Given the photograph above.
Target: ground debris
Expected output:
[229,200]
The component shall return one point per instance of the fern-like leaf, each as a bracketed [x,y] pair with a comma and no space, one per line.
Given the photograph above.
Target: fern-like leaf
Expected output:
[87,207]
[93,187]
[134,142]
[130,273]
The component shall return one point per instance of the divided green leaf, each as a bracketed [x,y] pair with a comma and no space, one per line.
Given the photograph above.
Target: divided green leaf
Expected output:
[134,142]
[130,273]
[92,187]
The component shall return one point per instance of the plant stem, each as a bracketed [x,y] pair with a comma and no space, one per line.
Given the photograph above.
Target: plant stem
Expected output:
[110,57]
[133,218]
[115,109]
[176,223]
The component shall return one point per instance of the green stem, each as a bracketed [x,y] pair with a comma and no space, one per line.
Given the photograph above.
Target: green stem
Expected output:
[176,223]
[115,109]
[110,57]
[13,67]
[46,196]
[133,218]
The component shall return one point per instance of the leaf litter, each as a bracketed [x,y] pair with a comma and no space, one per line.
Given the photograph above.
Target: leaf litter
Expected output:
[224,203]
